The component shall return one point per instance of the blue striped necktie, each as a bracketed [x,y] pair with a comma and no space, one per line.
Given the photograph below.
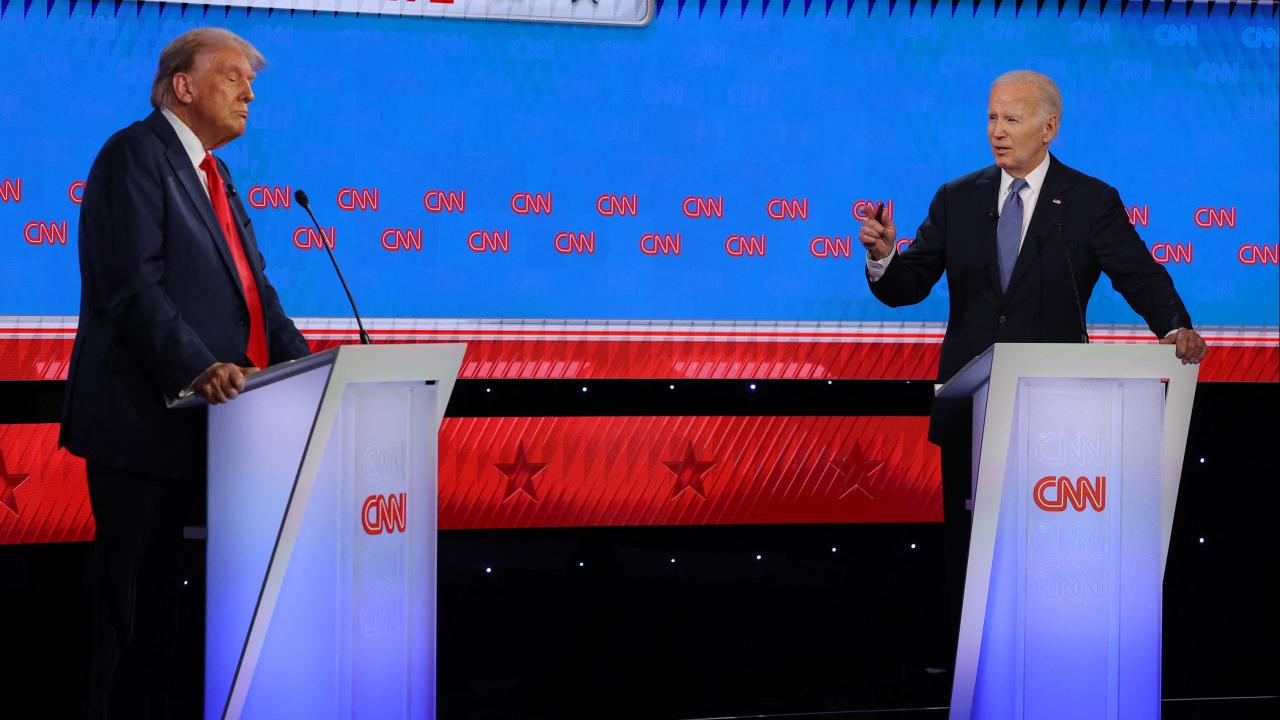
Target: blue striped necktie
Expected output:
[1009,232]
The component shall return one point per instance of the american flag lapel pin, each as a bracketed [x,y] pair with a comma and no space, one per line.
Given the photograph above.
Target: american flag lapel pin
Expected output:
[1056,201]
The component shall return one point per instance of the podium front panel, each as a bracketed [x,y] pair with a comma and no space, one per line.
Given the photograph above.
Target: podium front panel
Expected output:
[1072,626]
[352,633]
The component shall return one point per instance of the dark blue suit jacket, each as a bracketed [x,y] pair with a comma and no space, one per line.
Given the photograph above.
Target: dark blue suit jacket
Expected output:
[959,237]
[160,301]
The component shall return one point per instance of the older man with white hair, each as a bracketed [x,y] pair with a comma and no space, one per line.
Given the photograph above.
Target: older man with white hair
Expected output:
[173,300]
[1023,243]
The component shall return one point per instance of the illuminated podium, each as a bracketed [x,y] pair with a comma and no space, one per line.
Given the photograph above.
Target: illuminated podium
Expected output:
[1077,457]
[321,599]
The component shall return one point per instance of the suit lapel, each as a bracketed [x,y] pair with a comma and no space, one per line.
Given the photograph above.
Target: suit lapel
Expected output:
[1047,215]
[989,191]
[196,195]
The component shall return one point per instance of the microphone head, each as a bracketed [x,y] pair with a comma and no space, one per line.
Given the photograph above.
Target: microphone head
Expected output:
[301,197]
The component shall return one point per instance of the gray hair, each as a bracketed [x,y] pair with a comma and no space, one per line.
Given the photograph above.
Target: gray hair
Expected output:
[1050,97]
[180,56]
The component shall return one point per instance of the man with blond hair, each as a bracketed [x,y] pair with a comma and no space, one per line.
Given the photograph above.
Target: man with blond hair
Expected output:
[173,301]
[1023,243]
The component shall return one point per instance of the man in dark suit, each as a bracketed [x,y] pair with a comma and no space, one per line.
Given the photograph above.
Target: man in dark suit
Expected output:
[173,301]
[1023,243]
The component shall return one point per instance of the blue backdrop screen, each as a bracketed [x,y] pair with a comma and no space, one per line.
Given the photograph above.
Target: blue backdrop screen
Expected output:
[435,148]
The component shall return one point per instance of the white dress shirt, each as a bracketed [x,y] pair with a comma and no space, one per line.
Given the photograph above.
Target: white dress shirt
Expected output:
[190,143]
[1029,195]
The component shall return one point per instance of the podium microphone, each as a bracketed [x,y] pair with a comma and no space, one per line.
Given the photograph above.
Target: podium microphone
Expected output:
[1071,272]
[301,198]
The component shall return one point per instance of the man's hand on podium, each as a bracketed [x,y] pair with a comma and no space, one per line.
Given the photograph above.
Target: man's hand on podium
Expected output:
[1190,346]
[222,382]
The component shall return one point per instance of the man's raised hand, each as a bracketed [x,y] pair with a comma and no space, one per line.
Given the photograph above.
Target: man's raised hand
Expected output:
[878,233]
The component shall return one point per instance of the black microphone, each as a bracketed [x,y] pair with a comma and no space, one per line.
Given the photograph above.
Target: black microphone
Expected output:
[1066,247]
[301,197]
[991,215]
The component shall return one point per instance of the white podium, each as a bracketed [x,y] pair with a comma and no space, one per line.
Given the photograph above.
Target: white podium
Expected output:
[322,537]
[1077,456]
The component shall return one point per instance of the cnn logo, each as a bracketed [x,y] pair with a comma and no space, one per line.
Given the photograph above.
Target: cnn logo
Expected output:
[383,513]
[1053,493]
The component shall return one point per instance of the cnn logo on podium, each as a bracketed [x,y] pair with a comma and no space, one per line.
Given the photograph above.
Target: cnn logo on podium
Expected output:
[1052,493]
[383,513]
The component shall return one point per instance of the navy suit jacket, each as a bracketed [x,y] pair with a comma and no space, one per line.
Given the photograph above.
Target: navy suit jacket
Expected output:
[1074,214]
[160,301]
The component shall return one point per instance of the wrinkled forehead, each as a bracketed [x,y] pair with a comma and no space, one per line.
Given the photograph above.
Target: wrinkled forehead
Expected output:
[1021,96]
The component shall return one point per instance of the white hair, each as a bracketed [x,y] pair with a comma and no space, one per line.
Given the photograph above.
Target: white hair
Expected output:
[1049,96]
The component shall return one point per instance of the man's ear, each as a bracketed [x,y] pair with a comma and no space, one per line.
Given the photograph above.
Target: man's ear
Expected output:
[1050,129]
[181,85]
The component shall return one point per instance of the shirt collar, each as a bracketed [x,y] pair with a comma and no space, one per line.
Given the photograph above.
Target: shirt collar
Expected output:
[1034,179]
[190,143]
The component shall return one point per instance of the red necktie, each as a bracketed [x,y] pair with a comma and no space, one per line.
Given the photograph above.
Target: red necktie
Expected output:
[257,350]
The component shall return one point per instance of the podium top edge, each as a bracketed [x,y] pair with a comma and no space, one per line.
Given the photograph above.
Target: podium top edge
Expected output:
[273,374]
[324,358]
[1077,360]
